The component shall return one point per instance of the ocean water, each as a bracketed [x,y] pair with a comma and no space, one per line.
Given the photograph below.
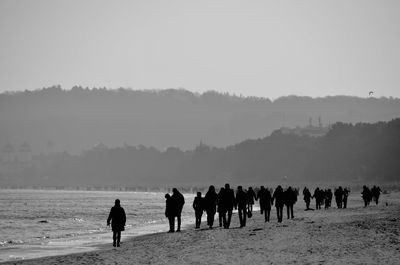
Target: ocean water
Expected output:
[36,223]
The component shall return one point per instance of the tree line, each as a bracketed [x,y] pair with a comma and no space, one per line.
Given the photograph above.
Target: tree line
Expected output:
[359,152]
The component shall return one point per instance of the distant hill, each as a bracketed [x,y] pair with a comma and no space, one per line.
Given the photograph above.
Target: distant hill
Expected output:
[53,119]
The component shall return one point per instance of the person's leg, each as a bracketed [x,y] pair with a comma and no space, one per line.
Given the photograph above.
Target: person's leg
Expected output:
[244,216]
[179,223]
[229,218]
[277,213]
[212,216]
[265,215]
[118,238]
[268,211]
[114,239]
[240,213]
[291,211]
[171,220]
[287,211]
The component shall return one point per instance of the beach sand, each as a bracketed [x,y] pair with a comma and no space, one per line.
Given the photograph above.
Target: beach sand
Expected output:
[355,235]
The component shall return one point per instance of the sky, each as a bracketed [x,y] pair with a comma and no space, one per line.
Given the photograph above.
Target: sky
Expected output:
[252,48]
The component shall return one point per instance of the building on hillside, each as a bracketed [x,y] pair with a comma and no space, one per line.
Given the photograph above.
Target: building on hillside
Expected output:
[309,130]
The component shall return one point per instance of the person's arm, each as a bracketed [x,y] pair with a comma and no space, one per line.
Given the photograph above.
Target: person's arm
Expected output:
[110,217]
[123,216]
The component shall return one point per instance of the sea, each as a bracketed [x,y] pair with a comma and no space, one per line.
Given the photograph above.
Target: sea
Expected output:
[37,223]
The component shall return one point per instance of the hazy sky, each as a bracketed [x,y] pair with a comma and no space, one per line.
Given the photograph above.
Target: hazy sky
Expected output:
[262,48]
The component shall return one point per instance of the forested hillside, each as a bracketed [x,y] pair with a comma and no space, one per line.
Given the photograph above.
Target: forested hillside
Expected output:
[350,153]
[56,120]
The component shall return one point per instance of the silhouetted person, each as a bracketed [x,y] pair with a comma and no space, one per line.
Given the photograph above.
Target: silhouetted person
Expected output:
[345,196]
[279,199]
[318,198]
[221,208]
[251,196]
[117,218]
[328,198]
[290,199]
[375,192]
[265,198]
[177,201]
[241,200]
[169,212]
[211,200]
[307,198]
[229,202]
[339,197]
[366,195]
[198,206]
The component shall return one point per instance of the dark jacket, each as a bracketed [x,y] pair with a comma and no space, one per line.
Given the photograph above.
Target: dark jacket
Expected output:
[278,197]
[178,201]
[241,199]
[118,218]
[228,200]
[198,204]
[210,202]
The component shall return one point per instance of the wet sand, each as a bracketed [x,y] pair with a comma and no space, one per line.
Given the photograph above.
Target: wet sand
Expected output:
[356,235]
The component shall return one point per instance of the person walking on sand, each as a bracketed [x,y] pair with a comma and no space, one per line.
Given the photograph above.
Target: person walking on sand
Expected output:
[339,197]
[221,208]
[229,202]
[375,192]
[210,201]
[251,196]
[241,200]
[117,219]
[264,197]
[279,199]
[198,206]
[169,213]
[307,198]
[346,192]
[366,195]
[260,197]
[290,200]
[177,202]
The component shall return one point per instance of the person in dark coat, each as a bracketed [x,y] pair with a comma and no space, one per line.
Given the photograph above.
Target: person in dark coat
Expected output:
[290,200]
[339,197]
[211,200]
[265,199]
[375,192]
[318,198]
[198,206]
[177,202]
[307,198]
[241,200]
[251,196]
[328,199]
[221,208]
[117,219]
[279,199]
[260,197]
[169,213]
[229,202]
[346,192]
[366,195]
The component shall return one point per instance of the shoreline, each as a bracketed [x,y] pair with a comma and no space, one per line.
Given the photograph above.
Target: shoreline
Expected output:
[335,236]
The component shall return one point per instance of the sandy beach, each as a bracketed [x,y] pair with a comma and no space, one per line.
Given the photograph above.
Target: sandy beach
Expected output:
[356,235]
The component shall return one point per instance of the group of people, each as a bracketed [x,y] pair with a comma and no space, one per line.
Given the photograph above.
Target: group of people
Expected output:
[370,194]
[323,197]
[226,200]
[173,208]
